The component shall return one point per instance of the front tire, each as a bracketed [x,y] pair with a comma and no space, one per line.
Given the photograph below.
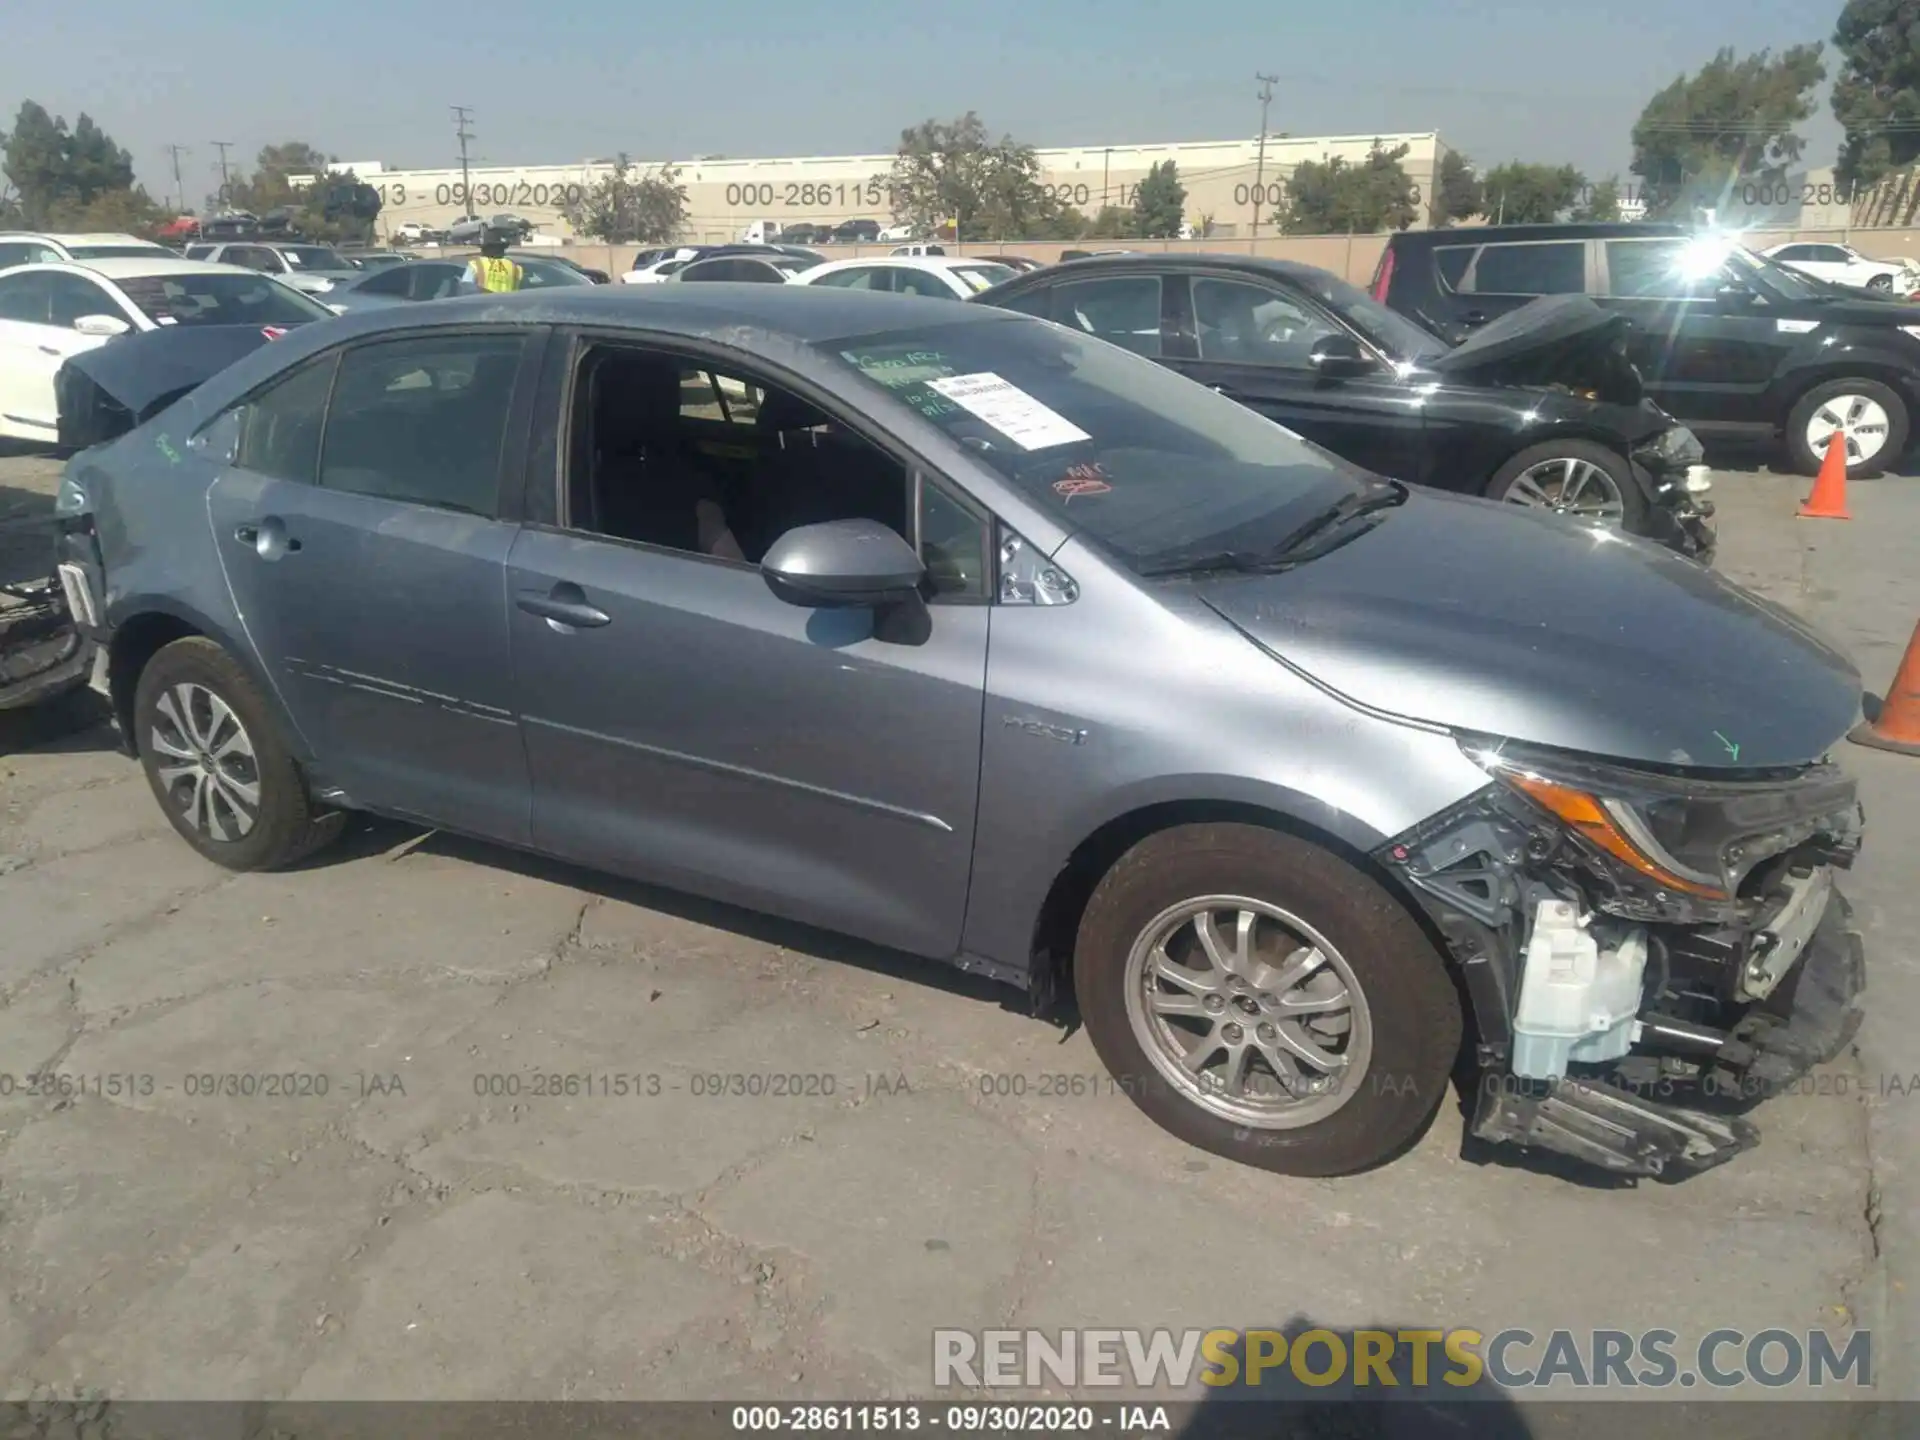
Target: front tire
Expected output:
[1871,416]
[214,758]
[1264,1000]
[1573,477]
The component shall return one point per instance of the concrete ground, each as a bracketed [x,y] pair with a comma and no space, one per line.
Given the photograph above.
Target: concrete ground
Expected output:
[405,1225]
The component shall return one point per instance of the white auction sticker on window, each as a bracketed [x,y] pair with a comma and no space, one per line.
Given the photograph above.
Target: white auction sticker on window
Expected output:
[1796,327]
[1009,409]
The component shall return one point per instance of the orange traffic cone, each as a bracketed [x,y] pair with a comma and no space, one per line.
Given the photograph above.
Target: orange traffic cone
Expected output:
[1829,498]
[1897,726]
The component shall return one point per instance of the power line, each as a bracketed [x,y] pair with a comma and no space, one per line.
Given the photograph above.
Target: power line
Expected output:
[1267,83]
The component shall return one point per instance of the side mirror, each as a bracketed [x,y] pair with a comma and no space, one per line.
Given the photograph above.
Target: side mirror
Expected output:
[101,327]
[842,564]
[1336,355]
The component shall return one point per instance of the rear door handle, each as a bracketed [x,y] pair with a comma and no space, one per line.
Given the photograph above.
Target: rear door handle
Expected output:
[565,604]
[269,538]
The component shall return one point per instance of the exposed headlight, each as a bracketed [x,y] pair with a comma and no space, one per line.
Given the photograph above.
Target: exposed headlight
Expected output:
[1694,836]
[1674,448]
[69,498]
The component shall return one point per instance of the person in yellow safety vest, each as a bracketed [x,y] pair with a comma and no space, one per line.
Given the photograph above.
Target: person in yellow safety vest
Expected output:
[491,270]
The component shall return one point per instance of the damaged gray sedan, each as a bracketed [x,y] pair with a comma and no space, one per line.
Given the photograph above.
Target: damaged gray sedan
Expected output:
[969,635]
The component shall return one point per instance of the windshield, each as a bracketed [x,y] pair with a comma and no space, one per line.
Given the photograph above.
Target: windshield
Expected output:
[314,257]
[1393,332]
[115,252]
[219,299]
[550,272]
[1769,274]
[980,277]
[1156,468]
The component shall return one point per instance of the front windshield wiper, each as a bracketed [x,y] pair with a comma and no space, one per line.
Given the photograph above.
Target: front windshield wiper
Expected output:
[1328,530]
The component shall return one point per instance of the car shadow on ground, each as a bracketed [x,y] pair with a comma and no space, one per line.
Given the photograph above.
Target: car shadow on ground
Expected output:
[369,836]
[1311,1391]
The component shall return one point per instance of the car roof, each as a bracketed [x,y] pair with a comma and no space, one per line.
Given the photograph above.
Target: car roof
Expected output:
[799,313]
[1170,260]
[132,267]
[1571,230]
[103,237]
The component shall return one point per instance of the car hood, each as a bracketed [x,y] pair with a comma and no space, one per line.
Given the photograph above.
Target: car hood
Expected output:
[1551,324]
[1512,622]
[106,391]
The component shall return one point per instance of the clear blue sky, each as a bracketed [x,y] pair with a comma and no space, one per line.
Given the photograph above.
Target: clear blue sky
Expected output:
[561,80]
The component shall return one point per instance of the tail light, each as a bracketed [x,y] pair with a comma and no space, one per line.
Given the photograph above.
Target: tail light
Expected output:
[273,332]
[1383,276]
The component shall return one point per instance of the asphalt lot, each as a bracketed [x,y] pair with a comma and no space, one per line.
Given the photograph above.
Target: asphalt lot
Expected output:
[418,1230]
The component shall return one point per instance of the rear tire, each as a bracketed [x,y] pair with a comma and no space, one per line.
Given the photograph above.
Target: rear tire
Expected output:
[1319,961]
[1873,416]
[1544,476]
[214,758]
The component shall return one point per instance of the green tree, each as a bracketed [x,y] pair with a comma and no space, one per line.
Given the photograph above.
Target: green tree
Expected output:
[1458,193]
[953,172]
[55,172]
[272,185]
[1601,202]
[1521,194]
[1732,120]
[1111,222]
[1333,197]
[1876,95]
[626,207]
[1159,203]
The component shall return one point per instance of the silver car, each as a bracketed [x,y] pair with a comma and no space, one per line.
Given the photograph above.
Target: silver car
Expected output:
[956,630]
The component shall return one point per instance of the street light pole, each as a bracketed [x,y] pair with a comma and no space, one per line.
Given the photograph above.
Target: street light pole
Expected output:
[461,115]
[1260,166]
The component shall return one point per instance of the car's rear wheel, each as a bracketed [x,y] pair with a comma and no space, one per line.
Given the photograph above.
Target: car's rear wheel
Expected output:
[1573,477]
[215,760]
[1261,998]
[1869,416]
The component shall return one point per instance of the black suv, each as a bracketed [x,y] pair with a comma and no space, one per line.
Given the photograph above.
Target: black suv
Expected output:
[1735,344]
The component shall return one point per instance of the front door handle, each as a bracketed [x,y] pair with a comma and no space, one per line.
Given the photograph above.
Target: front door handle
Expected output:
[564,607]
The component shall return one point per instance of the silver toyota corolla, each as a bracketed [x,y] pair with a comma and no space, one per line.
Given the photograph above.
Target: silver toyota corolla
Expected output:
[973,636]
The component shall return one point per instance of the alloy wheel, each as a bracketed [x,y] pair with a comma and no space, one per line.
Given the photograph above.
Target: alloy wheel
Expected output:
[204,761]
[1862,420]
[1569,486]
[1248,1011]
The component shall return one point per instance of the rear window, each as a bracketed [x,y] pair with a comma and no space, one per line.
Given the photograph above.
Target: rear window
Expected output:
[216,299]
[1533,268]
[981,277]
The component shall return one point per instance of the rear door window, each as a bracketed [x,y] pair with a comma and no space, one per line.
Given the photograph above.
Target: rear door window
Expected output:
[1555,267]
[1649,270]
[1450,264]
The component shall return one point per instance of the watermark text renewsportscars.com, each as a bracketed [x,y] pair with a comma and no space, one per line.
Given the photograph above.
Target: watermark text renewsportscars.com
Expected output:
[1454,1359]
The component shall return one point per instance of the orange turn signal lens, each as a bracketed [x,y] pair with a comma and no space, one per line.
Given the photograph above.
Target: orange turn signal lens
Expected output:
[1589,818]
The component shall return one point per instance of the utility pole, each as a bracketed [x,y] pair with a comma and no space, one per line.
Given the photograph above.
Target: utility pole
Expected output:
[461,115]
[179,186]
[1260,167]
[226,192]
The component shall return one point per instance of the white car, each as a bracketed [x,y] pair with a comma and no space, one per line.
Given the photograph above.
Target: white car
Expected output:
[658,268]
[1844,265]
[894,234]
[946,276]
[315,269]
[33,247]
[51,311]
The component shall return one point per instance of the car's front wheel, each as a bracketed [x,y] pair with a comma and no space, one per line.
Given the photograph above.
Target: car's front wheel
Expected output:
[1261,998]
[1869,417]
[214,757]
[1573,477]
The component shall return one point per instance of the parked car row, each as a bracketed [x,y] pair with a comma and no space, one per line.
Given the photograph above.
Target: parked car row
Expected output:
[995,638]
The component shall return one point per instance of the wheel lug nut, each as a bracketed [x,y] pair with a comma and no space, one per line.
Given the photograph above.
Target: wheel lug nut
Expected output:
[1265,1032]
[1214,1002]
[1232,1032]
